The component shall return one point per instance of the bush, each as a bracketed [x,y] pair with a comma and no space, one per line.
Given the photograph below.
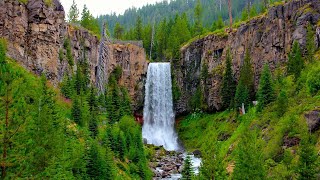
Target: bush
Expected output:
[313,81]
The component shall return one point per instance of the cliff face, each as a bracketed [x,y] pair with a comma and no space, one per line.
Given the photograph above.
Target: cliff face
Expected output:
[268,38]
[36,34]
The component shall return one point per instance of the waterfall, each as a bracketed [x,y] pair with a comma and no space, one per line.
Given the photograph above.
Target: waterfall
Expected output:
[158,127]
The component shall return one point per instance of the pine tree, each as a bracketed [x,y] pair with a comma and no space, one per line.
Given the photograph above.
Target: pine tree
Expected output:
[138,29]
[241,96]
[295,62]
[187,172]
[198,18]
[266,92]
[310,44]
[307,165]
[118,31]
[282,103]
[76,110]
[228,84]
[247,75]
[73,13]
[249,161]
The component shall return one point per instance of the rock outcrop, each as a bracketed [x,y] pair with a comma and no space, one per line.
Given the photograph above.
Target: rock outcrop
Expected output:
[268,38]
[313,120]
[36,33]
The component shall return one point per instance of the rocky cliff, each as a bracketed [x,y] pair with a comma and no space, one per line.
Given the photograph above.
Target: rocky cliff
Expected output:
[36,33]
[268,37]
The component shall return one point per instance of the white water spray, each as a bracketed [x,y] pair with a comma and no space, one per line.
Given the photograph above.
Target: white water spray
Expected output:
[158,127]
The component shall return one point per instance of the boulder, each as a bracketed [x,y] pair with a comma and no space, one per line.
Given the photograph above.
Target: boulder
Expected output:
[313,120]
[197,153]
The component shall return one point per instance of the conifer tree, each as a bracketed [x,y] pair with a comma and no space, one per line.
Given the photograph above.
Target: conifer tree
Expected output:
[76,110]
[198,18]
[247,75]
[308,164]
[118,31]
[310,43]
[187,172]
[295,62]
[282,103]
[249,160]
[228,84]
[138,29]
[241,96]
[73,13]
[266,92]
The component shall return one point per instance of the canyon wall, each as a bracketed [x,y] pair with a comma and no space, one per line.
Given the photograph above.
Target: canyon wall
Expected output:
[268,38]
[36,33]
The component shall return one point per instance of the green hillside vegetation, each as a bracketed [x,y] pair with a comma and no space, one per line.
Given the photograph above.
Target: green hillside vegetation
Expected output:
[47,136]
[271,141]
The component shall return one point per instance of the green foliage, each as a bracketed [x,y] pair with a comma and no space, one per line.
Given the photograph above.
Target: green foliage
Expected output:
[265,92]
[313,82]
[138,29]
[310,43]
[67,47]
[89,22]
[76,110]
[66,87]
[282,103]
[245,88]
[241,96]
[307,165]
[295,62]
[118,31]
[247,75]
[228,84]
[187,172]
[197,100]
[219,24]
[249,160]
[198,18]
[73,13]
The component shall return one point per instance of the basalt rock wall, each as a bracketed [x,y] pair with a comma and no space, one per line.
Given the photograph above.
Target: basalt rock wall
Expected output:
[268,38]
[36,32]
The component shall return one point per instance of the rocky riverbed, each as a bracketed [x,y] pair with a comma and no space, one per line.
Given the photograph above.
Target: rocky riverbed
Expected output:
[169,164]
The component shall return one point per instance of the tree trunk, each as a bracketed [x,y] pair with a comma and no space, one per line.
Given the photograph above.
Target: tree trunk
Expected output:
[230,13]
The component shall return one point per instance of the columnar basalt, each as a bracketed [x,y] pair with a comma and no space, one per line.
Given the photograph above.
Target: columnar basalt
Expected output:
[36,33]
[268,38]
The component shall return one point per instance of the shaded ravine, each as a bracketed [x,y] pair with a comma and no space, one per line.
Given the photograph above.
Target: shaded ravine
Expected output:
[158,126]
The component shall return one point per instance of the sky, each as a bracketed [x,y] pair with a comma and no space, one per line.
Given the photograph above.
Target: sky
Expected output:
[101,7]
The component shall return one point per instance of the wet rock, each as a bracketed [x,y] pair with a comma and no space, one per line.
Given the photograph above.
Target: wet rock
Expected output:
[313,120]
[197,153]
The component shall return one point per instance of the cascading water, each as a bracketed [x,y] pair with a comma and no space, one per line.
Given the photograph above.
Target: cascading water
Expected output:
[158,127]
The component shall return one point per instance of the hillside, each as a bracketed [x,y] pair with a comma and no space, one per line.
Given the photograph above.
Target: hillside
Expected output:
[276,138]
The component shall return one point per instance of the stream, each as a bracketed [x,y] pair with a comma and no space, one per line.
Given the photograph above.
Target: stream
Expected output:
[168,165]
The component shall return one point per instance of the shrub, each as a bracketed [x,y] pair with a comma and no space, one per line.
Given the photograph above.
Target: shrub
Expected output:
[313,81]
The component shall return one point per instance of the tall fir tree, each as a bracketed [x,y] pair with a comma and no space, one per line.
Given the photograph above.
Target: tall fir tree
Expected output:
[247,75]
[265,94]
[138,29]
[187,171]
[295,62]
[310,43]
[76,110]
[308,164]
[228,84]
[73,13]
[198,18]
[249,161]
